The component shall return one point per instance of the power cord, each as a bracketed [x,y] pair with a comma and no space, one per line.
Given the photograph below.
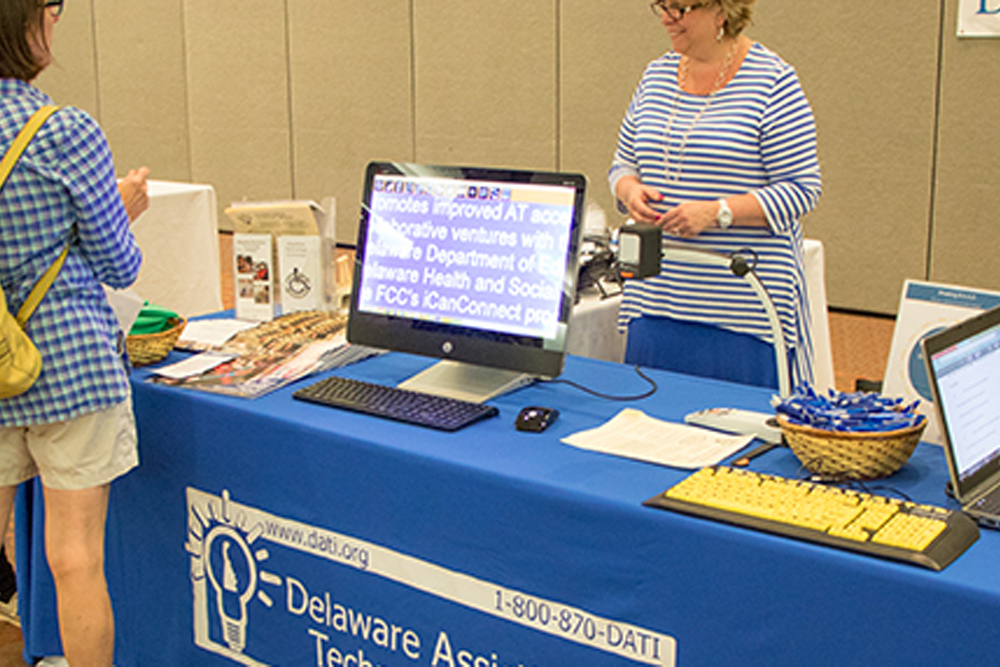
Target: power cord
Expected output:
[609,397]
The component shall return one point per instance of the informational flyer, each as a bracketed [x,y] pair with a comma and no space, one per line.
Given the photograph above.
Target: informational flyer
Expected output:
[301,273]
[924,309]
[252,272]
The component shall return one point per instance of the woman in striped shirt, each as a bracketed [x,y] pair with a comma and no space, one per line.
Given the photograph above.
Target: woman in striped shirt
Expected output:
[718,148]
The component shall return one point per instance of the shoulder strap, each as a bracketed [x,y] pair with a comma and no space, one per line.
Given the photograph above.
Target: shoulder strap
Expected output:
[21,142]
[40,288]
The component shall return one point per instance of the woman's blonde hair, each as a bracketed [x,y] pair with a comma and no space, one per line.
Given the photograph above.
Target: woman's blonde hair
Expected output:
[738,15]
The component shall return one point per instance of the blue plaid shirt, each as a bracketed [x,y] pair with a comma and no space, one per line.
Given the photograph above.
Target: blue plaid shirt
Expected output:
[63,190]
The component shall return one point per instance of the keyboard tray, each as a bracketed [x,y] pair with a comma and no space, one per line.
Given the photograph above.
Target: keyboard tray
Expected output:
[876,525]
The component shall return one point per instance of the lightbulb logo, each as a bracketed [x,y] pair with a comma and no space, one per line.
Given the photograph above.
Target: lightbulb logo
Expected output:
[225,574]
[232,572]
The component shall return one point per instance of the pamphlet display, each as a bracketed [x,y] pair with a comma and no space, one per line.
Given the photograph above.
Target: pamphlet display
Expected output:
[303,241]
[926,308]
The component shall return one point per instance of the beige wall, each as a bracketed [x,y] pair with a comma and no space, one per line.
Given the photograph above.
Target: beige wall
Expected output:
[268,99]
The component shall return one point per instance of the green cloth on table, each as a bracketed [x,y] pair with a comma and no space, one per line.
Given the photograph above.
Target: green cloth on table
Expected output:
[153,319]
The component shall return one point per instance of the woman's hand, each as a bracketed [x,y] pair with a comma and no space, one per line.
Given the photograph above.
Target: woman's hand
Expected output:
[133,190]
[690,218]
[636,197]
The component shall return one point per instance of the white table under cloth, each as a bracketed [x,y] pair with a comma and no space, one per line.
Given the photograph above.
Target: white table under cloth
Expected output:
[593,326]
[593,329]
[815,265]
[179,238]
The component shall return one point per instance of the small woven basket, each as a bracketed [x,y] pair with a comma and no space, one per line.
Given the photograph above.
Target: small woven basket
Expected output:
[145,349]
[851,454]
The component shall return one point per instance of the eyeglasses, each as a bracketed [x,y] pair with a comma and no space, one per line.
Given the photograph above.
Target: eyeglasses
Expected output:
[675,12]
[55,5]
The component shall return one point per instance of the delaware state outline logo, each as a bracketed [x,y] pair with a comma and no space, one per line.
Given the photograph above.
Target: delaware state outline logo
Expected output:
[226,576]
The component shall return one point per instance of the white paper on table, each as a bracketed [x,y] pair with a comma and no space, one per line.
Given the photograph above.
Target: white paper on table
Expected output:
[195,365]
[634,434]
[204,334]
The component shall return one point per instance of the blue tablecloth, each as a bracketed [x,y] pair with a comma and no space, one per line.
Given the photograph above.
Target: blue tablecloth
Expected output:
[277,532]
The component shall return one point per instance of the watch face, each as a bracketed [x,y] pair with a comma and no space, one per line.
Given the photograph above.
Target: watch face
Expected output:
[724,216]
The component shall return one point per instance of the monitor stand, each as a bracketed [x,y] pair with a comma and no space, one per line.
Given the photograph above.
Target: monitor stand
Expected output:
[467,382]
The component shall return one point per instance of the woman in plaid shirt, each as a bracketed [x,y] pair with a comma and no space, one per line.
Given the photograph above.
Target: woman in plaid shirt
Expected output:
[74,427]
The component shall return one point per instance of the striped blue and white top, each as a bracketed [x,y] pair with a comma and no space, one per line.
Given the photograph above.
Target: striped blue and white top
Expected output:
[63,190]
[757,135]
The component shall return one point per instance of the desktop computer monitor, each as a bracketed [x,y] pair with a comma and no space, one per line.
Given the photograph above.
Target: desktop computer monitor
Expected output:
[474,266]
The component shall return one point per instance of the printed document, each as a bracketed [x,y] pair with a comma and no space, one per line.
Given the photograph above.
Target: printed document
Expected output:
[634,434]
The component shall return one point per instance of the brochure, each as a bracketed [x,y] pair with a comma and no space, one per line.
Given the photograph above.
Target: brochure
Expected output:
[301,273]
[252,258]
[275,353]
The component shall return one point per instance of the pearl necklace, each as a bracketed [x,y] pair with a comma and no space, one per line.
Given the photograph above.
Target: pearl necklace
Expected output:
[674,174]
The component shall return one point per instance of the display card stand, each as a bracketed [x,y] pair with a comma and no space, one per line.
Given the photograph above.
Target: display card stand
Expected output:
[924,309]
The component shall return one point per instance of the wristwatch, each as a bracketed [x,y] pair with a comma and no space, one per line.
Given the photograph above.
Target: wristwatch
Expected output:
[725,216]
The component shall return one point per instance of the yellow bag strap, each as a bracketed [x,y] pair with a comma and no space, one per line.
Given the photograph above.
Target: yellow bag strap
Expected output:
[40,288]
[21,142]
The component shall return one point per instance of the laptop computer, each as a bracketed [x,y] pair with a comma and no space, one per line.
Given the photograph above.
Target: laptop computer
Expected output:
[963,367]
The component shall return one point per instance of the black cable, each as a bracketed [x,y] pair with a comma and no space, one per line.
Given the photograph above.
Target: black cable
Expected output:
[738,263]
[850,480]
[608,396]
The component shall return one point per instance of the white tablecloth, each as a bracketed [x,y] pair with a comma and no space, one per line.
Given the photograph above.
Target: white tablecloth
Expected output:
[179,238]
[815,260]
[593,329]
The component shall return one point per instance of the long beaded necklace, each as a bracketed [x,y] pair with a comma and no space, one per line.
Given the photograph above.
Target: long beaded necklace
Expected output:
[674,171]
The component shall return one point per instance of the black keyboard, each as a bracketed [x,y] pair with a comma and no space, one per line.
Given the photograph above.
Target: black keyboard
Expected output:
[413,407]
[876,525]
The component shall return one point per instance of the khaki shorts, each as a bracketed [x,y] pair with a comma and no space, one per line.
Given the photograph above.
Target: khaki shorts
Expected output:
[81,453]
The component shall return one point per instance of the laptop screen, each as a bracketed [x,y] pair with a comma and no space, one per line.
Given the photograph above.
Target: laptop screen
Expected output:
[964,365]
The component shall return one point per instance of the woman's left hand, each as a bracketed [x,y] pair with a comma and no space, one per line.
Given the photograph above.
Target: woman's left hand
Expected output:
[690,218]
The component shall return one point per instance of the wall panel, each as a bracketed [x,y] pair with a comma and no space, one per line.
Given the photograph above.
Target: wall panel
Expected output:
[142,84]
[966,232]
[237,71]
[869,71]
[351,97]
[604,48]
[486,82]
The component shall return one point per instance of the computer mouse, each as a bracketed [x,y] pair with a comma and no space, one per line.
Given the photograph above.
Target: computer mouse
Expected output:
[535,418]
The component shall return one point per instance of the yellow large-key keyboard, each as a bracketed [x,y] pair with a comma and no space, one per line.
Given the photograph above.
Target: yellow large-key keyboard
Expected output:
[872,524]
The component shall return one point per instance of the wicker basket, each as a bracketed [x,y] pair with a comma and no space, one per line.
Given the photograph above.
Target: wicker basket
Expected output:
[851,455]
[145,349]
